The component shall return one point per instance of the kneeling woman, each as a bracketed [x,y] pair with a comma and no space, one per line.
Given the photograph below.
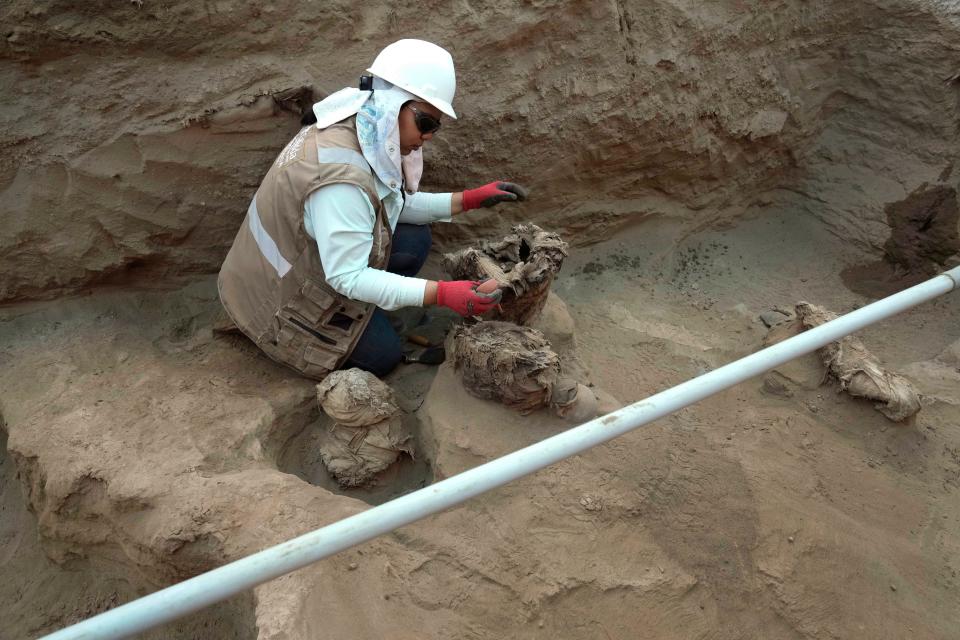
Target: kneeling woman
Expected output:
[338,228]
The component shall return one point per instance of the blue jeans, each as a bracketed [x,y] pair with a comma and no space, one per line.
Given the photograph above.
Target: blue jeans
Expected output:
[380,347]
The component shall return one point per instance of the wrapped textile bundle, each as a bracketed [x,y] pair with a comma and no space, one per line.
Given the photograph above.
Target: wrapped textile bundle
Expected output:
[523,264]
[368,434]
[515,365]
[859,371]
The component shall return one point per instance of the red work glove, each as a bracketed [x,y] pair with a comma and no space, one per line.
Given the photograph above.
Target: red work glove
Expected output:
[491,194]
[462,296]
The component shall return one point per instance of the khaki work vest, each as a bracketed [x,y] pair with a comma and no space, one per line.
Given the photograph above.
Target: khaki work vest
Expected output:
[272,282]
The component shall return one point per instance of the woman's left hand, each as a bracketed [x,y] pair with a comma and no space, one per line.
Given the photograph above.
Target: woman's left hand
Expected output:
[492,194]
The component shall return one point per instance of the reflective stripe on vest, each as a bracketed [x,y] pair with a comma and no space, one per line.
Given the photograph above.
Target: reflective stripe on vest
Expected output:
[266,244]
[268,247]
[335,155]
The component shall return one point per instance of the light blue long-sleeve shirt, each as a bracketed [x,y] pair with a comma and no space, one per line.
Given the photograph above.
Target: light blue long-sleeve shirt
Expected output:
[341,219]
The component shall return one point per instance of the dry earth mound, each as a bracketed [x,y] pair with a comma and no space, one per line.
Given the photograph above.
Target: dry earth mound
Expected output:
[708,163]
[136,132]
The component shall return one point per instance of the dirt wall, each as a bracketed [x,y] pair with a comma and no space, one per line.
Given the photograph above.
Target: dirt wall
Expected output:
[136,132]
[761,144]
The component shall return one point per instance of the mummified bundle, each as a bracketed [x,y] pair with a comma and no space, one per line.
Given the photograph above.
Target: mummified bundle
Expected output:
[859,371]
[515,365]
[368,434]
[524,263]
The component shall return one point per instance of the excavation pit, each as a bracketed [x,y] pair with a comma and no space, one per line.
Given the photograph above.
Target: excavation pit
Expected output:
[301,457]
[707,162]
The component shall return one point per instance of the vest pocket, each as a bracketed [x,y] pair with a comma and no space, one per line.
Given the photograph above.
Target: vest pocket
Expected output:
[345,315]
[305,349]
[312,304]
[313,332]
[315,329]
[322,358]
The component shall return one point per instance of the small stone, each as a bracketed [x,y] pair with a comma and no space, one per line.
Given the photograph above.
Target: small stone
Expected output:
[893,587]
[591,503]
[772,317]
[540,624]
[352,566]
[790,539]
[773,385]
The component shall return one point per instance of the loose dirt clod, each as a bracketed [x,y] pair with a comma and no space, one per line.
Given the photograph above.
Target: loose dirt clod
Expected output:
[516,365]
[707,159]
[524,264]
[923,228]
[368,435]
[859,371]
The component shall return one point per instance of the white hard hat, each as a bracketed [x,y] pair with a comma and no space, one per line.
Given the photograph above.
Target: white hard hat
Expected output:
[422,68]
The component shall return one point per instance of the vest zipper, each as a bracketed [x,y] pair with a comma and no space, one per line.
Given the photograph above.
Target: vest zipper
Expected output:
[312,331]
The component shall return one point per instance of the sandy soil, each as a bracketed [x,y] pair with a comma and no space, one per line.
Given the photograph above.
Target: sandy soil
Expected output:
[146,126]
[40,596]
[707,162]
[778,509]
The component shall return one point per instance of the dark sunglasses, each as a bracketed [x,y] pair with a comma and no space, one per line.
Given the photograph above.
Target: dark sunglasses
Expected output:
[426,123]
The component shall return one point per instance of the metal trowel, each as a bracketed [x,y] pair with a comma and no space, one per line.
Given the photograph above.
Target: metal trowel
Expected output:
[430,355]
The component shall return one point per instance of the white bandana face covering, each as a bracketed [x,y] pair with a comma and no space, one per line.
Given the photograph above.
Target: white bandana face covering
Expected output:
[377,130]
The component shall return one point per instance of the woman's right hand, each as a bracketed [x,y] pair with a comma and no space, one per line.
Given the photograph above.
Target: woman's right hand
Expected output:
[466,297]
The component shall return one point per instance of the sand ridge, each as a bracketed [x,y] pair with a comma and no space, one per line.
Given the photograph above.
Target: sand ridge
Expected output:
[708,164]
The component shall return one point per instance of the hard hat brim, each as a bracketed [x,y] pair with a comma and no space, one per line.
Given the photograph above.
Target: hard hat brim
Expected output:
[445,107]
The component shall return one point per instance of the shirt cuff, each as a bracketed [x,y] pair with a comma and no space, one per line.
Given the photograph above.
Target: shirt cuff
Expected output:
[423,208]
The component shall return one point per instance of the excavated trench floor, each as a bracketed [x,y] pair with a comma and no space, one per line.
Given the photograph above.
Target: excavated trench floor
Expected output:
[653,306]
[39,596]
[300,456]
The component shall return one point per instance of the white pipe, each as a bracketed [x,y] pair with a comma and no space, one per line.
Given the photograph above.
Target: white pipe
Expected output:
[203,590]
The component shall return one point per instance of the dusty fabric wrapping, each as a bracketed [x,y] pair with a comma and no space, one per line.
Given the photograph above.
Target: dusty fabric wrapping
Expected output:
[356,398]
[859,371]
[368,435]
[515,365]
[524,263]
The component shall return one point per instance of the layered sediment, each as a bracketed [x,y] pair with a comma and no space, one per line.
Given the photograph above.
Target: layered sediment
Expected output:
[705,163]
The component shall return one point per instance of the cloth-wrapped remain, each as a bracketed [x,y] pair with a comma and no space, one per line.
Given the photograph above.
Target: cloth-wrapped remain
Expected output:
[859,371]
[368,433]
[523,264]
[515,365]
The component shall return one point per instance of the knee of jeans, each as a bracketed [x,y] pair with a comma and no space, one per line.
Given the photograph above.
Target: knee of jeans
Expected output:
[380,367]
[424,239]
[404,264]
[379,358]
[387,362]
[410,251]
[416,239]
